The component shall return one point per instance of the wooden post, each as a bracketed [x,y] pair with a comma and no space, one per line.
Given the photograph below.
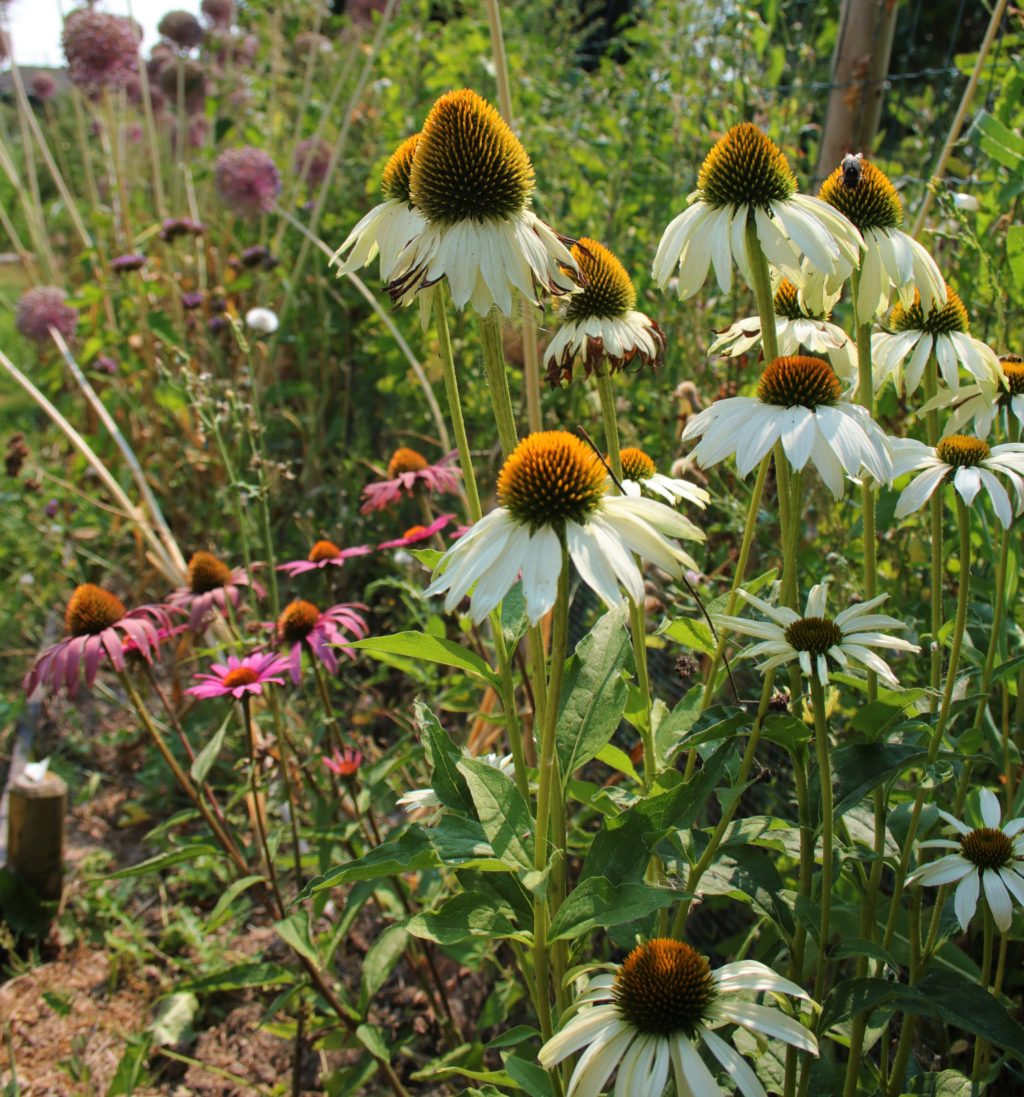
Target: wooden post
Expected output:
[860,66]
[35,833]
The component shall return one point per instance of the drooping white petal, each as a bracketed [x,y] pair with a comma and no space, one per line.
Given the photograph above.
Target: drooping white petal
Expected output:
[965,901]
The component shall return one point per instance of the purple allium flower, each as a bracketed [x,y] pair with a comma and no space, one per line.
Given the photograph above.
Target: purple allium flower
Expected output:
[182,28]
[247,180]
[43,87]
[193,77]
[102,50]
[218,304]
[52,507]
[124,263]
[160,56]
[42,308]
[192,300]
[312,158]
[220,12]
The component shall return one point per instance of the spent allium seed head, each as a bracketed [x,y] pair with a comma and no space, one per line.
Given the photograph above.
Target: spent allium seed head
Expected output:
[102,50]
[312,159]
[42,308]
[247,180]
[182,28]
[43,87]
[220,12]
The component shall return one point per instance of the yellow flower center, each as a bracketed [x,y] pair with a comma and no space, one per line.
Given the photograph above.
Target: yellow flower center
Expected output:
[1013,371]
[413,533]
[636,465]
[987,847]
[962,451]
[297,621]
[468,165]
[951,317]
[551,478]
[206,573]
[664,987]
[91,609]
[240,676]
[799,380]
[405,460]
[787,302]
[813,634]
[745,168]
[864,196]
[323,550]
[606,287]
[395,181]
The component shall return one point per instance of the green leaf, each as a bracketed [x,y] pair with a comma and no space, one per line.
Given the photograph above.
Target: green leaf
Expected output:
[235,888]
[599,902]
[618,759]
[380,961]
[241,975]
[131,1067]
[530,1077]
[1015,253]
[861,767]
[947,1083]
[173,1021]
[294,931]
[717,722]
[594,692]
[999,142]
[208,755]
[787,731]
[165,860]
[430,649]
[514,1036]
[503,813]
[464,916]
[408,852]
[691,634]
[514,621]
[371,1037]
[448,784]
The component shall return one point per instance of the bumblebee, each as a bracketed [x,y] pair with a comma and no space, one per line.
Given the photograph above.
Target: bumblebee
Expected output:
[853,168]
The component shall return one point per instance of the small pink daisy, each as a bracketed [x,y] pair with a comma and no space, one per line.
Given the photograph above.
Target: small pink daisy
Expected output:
[418,534]
[211,584]
[241,676]
[408,470]
[96,620]
[344,763]
[322,555]
[302,625]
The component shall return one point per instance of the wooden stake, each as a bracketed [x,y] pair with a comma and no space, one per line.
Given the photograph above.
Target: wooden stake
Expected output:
[35,833]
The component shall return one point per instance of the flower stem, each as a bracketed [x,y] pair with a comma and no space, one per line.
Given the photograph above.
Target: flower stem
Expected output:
[762,287]
[931,387]
[257,809]
[497,381]
[825,780]
[981,1044]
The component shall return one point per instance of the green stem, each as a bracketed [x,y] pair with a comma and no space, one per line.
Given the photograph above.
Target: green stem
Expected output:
[931,385]
[257,809]
[825,780]
[762,287]
[980,1044]
[497,381]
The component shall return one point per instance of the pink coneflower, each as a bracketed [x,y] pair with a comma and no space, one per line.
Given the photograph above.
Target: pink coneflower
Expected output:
[239,677]
[312,159]
[96,621]
[418,534]
[323,554]
[102,50]
[211,585]
[220,12]
[302,625]
[182,28]
[408,469]
[42,308]
[247,180]
[344,763]
[122,264]
[43,87]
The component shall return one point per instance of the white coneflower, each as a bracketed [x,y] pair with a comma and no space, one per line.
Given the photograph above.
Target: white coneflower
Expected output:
[553,489]
[639,475]
[746,177]
[893,262]
[650,1015]
[989,858]
[599,324]
[472,181]
[815,640]
[422,798]
[1002,395]
[969,463]
[917,333]
[798,403]
[797,327]
[389,226]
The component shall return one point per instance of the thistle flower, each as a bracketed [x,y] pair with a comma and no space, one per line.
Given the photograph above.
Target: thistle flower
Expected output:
[101,50]
[1001,395]
[311,160]
[42,308]
[409,471]
[988,858]
[799,403]
[798,328]
[418,534]
[182,28]
[639,475]
[123,264]
[599,322]
[969,463]
[650,1014]
[247,180]
[239,677]
[893,262]
[211,585]
[262,321]
[472,181]
[219,12]
[98,626]
[816,641]
[302,626]
[344,764]
[746,178]
[323,554]
[552,491]
[943,331]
